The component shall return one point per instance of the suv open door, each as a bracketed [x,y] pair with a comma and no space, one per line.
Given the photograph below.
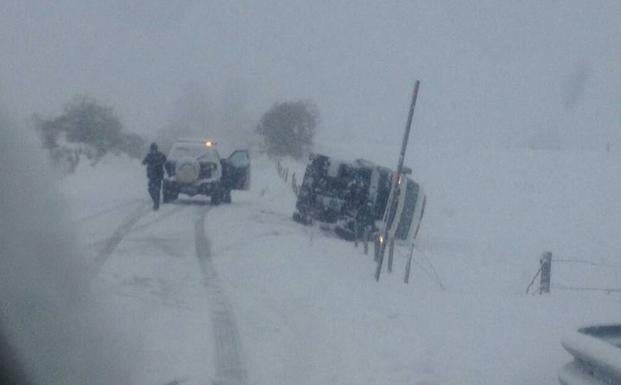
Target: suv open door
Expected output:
[237,170]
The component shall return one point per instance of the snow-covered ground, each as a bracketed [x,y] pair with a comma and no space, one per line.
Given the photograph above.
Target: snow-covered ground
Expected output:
[305,306]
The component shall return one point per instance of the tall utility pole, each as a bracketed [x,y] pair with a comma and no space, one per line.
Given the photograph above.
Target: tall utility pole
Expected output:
[391,206]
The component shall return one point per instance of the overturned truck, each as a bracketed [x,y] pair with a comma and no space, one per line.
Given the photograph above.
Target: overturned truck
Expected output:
[350,198]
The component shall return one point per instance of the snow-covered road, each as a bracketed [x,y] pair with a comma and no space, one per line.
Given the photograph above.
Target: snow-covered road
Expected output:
[174,300]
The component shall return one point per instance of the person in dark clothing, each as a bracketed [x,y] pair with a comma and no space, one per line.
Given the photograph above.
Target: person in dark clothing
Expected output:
[155,173]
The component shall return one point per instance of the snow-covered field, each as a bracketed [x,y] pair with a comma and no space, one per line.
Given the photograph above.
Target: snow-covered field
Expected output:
[304,306]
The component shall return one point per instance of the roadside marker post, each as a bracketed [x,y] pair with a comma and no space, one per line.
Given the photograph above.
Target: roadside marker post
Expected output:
[390,213]
[408,266]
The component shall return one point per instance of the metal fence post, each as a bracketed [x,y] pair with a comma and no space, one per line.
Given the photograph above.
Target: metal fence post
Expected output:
[408,266]
[391,252]
[378,247]
[546,271]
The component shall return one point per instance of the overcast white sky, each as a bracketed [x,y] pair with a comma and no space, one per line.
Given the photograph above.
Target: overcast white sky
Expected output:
[493,72]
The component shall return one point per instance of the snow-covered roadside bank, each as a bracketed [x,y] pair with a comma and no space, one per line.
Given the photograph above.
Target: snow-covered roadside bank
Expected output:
[102,197]
[103,188]
[311,313]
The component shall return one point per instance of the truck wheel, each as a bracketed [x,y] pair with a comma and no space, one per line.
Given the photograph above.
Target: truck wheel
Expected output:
[301,218]
[226,196]
[216,197]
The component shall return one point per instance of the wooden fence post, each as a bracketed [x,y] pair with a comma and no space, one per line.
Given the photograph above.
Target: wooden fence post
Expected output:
[546,271]
[294,184]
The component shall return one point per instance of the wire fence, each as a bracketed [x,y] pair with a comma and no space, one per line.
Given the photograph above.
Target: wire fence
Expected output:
[585,262]
[599,289]
[545,277]
[283,173]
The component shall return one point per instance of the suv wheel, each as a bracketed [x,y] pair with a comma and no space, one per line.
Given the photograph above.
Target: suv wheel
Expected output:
[168,195]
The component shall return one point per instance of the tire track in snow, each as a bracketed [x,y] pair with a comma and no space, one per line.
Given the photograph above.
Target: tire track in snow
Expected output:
[115,239]
[108,210]
[161,217]
[161,244]
[230,367]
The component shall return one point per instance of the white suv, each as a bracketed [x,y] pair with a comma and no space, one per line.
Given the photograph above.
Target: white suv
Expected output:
[194,167]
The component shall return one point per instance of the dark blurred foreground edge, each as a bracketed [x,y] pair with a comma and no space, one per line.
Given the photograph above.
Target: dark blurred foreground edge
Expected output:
[597,356]
[11,370]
